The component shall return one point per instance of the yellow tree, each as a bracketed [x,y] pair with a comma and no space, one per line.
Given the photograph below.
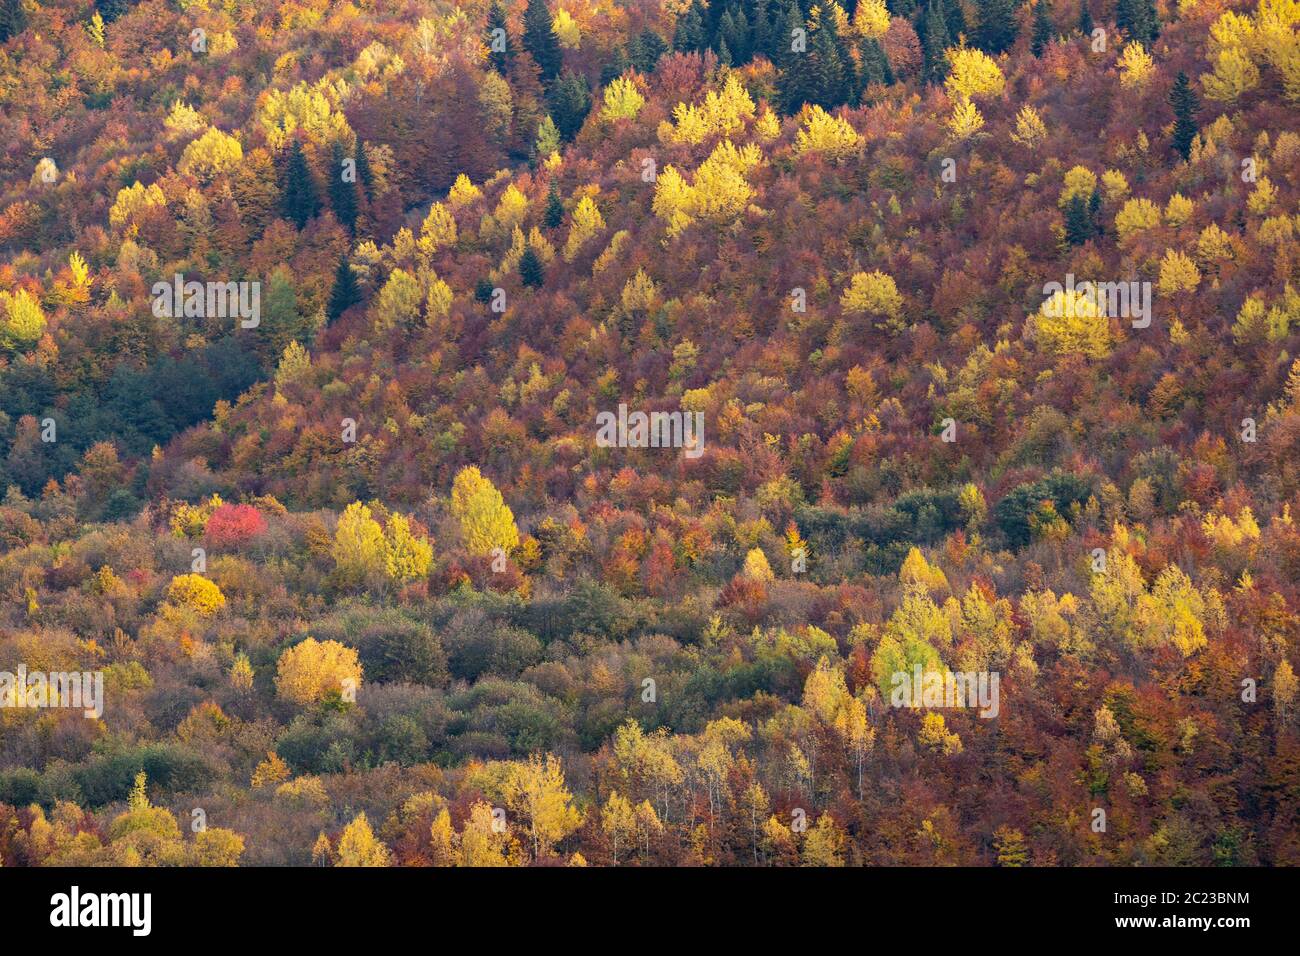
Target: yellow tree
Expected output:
[438,230]
[917,571]
[831,135]
[972,74]
[619,820]
[406,557]
[757,567]
[195,593]
[965,122]
[486,521]
[481,843]
[211,154]
[1135,66]
[309,671]
[824,845]
[874,294]
[22,323]
[622,100]
[359,547]
[1069,322]
[536,790]
[358,845]
[587,221]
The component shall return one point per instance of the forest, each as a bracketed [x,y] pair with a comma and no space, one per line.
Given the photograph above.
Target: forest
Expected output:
[985,309]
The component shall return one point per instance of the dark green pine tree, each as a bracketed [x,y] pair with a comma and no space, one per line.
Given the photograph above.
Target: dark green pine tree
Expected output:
[365,175]
[738,34]
[903,8]
[530,269]
[689,36]
[500,50]
[570,102]
[644,51]
[299,200]
[346,293]
[760,30]
[541,42]
[1138,19]
[724,53]
[1094,212]
[1183,99]
[831,75]
[13,19]
[1044,29]
[934,42]
[343,188]
[554,214]
[875,64]
[110,10]
[997,27]
[616,66]
[1085,20]
[795,83]
[954,17]
[1078,221]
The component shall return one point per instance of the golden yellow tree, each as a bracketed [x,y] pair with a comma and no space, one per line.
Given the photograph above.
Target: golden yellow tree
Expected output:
[195,593]
[312,670]
[536,790]
[874,294]
[486,521]
[622,100]
[358,845]
[359,548]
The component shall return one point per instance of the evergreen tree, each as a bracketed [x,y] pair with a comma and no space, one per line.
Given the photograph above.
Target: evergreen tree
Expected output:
[298,197]
[760,29]
[724,53]
[1044,29]
[342,191]
[1138,19]
[997,28]
[1078,222]
[689,35]
[644,51]
[13,19]
[875,64]
[1085,21]
[530,269]
[1094,212]
[616,66]
[540,40]
[934,42]
[570,102]
[903,8]
[795,83]
[365,175]
[345,293]
[954,17]
[554,214]
[1183,99]
[110,10]
[500,49]
[830,73]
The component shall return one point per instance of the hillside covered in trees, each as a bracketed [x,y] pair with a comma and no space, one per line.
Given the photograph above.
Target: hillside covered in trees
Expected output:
[365,585]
